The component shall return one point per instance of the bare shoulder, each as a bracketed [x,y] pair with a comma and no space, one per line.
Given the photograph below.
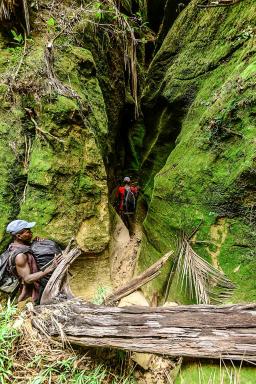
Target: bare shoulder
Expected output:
[21,260]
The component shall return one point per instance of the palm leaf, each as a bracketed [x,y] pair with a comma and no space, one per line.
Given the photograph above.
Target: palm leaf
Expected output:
[200,279]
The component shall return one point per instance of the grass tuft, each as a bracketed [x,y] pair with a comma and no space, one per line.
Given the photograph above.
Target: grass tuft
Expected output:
[8,338]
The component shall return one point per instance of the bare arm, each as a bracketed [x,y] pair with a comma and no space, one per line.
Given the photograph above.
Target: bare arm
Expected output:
[24,272]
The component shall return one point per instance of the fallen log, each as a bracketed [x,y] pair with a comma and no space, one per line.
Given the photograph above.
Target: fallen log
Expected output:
[202,331]
[138,281]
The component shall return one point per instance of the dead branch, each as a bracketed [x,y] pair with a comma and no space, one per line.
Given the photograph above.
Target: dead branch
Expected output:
[58,281]
[138,281]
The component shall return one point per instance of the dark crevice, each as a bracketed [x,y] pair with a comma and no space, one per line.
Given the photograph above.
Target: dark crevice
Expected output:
[156,13]
[171,11]
[160,142]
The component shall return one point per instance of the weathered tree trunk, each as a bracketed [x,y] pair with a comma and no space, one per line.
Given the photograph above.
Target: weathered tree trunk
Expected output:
[227,332]
[58,282]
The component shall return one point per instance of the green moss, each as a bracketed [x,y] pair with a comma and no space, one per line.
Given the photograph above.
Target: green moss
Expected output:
[10,58]
[12,180]
[39,206]
[35,61]
[206,172]
[85,60]
[41,165]
[61,109]
[136,137]
[54,172]
[98,118]
[87,185]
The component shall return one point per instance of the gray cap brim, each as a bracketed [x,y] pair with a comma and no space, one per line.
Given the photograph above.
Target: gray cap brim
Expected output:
[31,225]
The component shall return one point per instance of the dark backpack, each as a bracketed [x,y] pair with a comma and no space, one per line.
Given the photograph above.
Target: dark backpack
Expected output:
[43,252]
[129,201]
[8,279]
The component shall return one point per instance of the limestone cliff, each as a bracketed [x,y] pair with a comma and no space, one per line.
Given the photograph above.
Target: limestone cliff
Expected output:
[199,144]
[54,124]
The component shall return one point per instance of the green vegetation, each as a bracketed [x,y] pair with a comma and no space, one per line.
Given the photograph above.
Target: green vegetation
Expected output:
[17,37]
[206,167]
[224,373]
[25,356]
[65,119]
[66,371]
[100,295]
[8,338]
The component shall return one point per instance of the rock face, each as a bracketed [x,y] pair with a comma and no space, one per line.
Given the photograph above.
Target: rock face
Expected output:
[63,93]
[53,127]
[67,121]
[62,99]
[67,124]
[199,145]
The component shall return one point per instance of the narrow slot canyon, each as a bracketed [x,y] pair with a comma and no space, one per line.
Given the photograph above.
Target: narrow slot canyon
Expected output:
[162,92]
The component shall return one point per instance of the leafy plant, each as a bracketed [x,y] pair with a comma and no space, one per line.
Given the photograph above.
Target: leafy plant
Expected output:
[17,37]
[8,337]
[51,24]
[100,295]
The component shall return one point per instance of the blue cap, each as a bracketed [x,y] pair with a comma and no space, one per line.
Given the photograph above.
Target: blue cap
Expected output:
[16,226]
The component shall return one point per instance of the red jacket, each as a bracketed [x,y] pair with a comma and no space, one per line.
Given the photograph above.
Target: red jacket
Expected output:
[121,193]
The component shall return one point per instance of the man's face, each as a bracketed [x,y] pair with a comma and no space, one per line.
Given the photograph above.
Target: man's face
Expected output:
[25,235]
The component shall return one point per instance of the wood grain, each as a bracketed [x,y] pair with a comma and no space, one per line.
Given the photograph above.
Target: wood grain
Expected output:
[206,331]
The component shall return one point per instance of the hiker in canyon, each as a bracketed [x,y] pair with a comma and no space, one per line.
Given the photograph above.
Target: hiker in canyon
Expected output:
[126,202]
[30,261]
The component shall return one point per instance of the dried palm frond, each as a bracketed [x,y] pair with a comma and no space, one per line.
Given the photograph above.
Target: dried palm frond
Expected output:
[201,280]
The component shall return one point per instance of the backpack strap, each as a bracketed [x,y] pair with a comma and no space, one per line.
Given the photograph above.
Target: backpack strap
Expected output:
[12,256]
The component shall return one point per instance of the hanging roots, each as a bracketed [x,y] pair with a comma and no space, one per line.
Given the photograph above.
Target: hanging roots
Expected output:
[8,8]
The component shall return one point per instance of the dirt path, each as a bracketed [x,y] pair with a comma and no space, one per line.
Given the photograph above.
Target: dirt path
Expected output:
[124,251]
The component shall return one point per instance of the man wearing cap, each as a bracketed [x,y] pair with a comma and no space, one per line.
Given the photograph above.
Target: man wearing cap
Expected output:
[23,262]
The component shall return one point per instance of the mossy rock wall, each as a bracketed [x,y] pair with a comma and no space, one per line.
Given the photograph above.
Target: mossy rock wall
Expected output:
[199,148]
[54,127]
